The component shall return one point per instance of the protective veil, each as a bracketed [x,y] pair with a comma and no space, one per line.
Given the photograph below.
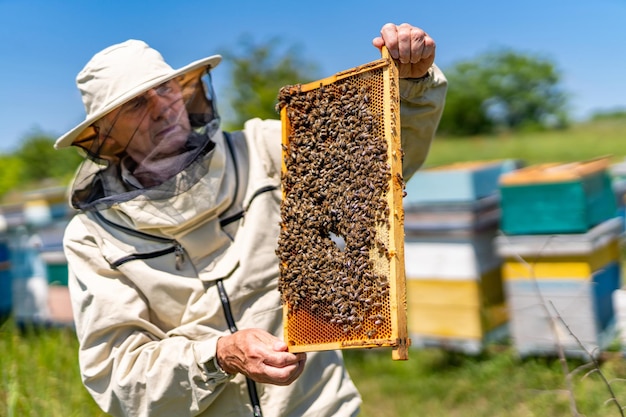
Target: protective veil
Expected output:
[156,145]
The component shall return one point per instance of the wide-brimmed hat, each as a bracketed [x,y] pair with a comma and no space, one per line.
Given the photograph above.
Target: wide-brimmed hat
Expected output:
[118,74]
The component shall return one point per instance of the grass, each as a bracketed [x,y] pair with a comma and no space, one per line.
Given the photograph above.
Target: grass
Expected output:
[581,142]
[39,377]
[435,382]
[39,374]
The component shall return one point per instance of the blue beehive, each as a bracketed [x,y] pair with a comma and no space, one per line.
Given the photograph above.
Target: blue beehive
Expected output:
[556,198]
[459,182]
[6,282]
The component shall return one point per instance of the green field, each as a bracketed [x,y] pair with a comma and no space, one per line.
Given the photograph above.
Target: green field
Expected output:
[580,142]
[39,378]
[39,373]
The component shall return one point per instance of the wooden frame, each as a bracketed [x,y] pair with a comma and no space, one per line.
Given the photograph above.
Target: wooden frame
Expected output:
[381,78]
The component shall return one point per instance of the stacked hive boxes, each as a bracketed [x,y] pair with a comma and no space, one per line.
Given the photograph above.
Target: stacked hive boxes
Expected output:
[33,268]
[455,297]
[561,251]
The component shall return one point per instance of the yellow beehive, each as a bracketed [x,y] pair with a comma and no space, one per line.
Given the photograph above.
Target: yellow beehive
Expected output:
[456,309]
[342,242]
[581,266]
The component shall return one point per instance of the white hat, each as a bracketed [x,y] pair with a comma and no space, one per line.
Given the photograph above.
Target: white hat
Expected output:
[118,74]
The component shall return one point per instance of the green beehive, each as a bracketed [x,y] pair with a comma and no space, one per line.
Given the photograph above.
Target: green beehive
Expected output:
[56,267]
[556,198]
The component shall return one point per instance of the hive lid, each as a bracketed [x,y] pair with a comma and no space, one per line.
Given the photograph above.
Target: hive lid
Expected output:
[566,244]
[554,172]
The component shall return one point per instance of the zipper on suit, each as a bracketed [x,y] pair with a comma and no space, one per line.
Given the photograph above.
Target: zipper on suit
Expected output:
[176,247]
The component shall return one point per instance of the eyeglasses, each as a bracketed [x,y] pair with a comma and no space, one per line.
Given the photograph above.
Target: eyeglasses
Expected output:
[167,90]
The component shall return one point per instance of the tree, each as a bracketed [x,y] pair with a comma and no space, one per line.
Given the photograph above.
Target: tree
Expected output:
[10,172]
[503,90]
[40,161]
[257,72]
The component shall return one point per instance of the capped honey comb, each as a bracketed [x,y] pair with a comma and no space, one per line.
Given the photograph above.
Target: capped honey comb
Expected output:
[341,245]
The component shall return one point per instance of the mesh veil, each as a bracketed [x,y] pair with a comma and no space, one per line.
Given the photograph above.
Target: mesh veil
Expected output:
[156,145]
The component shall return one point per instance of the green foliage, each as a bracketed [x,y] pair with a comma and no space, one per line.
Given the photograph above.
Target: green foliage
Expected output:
[464,113]
[257,72]
[10,173]
[40,161]
[615,114]
[503,90]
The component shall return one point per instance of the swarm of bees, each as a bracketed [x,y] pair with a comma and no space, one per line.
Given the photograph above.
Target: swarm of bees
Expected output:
[335,181]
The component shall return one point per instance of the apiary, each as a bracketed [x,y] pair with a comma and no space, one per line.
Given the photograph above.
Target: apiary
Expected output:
[454,289]
[341,245]
[556,198]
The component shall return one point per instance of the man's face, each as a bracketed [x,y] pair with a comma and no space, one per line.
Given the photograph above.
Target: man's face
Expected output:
[150,127]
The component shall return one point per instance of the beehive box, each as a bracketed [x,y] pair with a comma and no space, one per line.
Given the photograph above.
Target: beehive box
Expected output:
[59,303]
[451,255]
[458,182]
[574,315]
[456,309]
[474,215]
[556,198]
[581,266]
[341,245]
[559,245]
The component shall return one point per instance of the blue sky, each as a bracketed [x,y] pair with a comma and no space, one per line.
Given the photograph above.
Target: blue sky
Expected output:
[46,42]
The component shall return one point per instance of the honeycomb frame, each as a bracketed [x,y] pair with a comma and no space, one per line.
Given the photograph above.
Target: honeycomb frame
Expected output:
[309,324]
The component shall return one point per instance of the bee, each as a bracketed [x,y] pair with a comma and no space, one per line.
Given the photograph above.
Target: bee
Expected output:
[337,179]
